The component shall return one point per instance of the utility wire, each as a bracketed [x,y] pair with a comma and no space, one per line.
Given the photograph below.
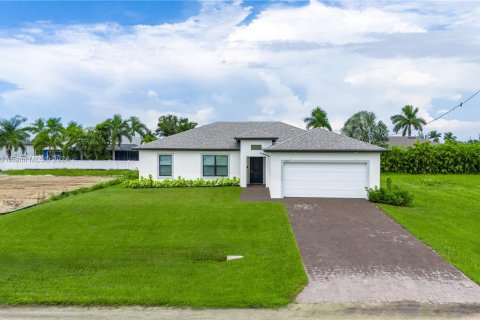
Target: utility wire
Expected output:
[457,106]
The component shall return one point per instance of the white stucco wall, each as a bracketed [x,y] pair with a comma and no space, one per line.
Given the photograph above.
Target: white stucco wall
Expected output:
[246,152]
[186,164]
[276,158]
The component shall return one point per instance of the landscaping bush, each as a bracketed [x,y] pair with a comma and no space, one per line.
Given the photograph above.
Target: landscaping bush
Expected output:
[180,183]
[390,195]
[422,158]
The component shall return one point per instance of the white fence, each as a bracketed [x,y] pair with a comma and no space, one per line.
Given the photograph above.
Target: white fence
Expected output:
[20,164]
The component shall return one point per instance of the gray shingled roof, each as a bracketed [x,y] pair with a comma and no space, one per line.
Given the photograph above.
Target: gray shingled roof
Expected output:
[256,134]
[321,140]
[221,136]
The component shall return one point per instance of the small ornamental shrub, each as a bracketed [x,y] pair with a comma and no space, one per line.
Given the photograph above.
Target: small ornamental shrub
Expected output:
[390,195]
[180,183]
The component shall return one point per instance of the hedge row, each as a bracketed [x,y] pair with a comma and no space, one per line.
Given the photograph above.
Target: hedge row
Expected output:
[451,157]
[180,183]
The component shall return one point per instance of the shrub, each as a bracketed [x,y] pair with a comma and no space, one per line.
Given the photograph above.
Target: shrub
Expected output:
[451,157]
[390,195]
[180,183]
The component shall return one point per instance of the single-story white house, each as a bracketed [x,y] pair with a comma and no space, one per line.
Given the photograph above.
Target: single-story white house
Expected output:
[290,161]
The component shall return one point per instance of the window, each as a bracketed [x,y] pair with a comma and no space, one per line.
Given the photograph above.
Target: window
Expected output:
[165,165]
[256,147]
[215,166]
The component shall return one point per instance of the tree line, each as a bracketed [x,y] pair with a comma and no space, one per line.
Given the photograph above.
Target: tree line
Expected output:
[96,142]
[364,126]
[100,141]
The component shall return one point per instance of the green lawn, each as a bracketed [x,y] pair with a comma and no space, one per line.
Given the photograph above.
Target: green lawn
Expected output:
[445,214]
[72,172]
[119,246]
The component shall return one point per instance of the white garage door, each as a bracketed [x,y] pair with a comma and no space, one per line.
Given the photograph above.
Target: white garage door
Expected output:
[328,180]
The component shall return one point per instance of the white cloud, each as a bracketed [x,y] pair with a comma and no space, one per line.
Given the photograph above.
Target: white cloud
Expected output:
[152,94]
[285,61]
[319,23]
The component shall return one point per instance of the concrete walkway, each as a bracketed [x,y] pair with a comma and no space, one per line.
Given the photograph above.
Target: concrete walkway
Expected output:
[293,311]
[352,251]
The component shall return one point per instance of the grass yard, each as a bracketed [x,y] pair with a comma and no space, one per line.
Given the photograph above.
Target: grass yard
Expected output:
[445,215]
[132,174]
[119,246]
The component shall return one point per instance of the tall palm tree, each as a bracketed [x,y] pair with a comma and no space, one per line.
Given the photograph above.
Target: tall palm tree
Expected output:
[363,126]
[434,135]
[13,135]
[54,131]
[318,119]
[117,130]
[40,141]
[406,120]
[136,126]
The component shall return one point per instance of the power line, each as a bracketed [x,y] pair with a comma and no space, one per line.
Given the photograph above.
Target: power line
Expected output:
[457,106]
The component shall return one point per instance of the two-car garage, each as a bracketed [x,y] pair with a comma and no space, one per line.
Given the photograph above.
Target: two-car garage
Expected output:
[335,179]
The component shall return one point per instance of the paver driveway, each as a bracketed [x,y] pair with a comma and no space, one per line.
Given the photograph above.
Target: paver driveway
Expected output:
[352,251]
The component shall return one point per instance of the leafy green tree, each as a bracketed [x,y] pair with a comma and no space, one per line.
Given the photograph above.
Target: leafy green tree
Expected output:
[73,135]
[170,124]
[54,131]
[318,119]
[148,137]
[407,120]
[136,126]
[434,135]
[363,126]
[118,129]
[39,129]
[13,135]
[94,143]
[448,136]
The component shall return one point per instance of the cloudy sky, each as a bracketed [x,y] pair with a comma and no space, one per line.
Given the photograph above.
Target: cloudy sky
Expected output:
[237,60]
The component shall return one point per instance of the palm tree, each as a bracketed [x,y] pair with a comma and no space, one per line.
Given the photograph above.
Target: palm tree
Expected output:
[136,126]
[318,119]
[117,129]
[448,136]
[12,135]
[148,137]
[434,135]
[54,131]
[40,141]
[406,120]
[363,126]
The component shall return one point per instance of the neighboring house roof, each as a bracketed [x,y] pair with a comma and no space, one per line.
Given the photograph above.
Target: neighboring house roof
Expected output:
[221,136]
[401,141]
[321,140]
[124,147]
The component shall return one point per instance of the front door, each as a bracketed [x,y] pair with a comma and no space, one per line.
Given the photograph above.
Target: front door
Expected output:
[256,170]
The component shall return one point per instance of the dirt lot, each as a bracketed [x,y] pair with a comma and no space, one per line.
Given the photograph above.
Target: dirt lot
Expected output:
[22,191]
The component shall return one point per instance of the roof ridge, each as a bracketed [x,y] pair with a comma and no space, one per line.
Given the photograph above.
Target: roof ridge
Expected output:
[284,141]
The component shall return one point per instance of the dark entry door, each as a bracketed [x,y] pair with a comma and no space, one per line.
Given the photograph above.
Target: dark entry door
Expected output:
[256,170]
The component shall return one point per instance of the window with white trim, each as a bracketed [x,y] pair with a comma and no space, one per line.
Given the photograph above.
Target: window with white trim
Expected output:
[165,165]
[215,166]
